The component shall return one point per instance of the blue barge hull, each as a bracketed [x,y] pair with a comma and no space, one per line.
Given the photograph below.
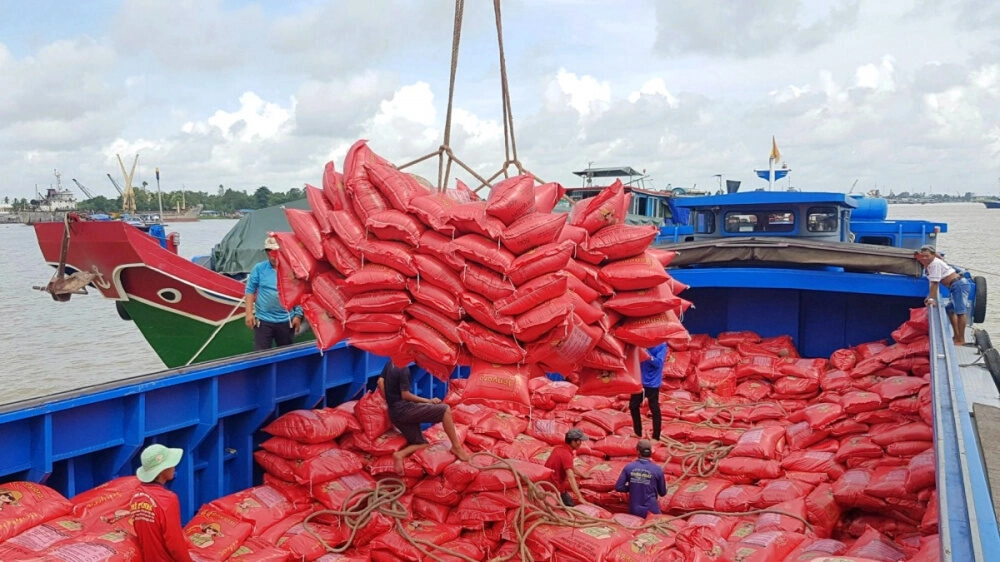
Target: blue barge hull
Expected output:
[75,441]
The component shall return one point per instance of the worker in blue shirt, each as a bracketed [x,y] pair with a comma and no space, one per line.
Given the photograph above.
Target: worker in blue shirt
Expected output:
[643,481]
[652,380]
[270,322]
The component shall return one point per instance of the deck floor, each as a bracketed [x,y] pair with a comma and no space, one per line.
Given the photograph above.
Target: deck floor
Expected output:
[984,399]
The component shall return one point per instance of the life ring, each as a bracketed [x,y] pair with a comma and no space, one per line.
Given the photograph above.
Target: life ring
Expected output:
[992,359]
[122,313]
[979,307]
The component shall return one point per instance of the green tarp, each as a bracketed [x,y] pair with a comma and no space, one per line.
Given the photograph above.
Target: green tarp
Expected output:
[243,246]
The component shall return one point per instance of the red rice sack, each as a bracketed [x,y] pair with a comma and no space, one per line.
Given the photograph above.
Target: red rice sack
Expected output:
[262,506]
[595,382]
[105,499]
[396,187]
[348,227]
[502,425]
[380,343]
[766,442]
[215,534]
[607,207]
[302,261]
[43,538]
[326,291]
[334,494]
[307,230]
[433,270]
[650,331]
[764,546]
[619,241]
[849,491]
[257,550]
[531,231]
[311,426]
[634,273]
[788,516]
[371,277]
[302,543]
[394,254]
[291,289]
[321,208]
[328,329]
[645,302]
[471,218]
[737,498]
[532,294]
[372,411]
[482,250]
[337,254]
[547,196]
[333,188]
[490,346]
[396,225]
[512,198]
[876,546]
[698,493]
[393,546]
[539,261]
[497,382]
[327,466]
[435,297]
[26,504]
[590,543]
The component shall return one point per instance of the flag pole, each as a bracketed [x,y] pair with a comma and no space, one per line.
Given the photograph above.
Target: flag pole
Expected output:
[775,156]
[159,194]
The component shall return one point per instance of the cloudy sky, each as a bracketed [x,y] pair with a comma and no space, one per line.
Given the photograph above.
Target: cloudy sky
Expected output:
[891,94]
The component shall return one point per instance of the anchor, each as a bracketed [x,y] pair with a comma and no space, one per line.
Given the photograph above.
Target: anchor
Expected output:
[63,286]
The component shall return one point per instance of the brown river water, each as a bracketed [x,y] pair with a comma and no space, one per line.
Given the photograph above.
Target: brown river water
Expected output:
[48,347]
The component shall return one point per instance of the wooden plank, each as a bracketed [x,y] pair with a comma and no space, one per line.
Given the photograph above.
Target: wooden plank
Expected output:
[987,422]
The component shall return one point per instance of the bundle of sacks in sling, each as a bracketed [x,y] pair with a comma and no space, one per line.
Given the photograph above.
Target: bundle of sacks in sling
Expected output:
[769,456]
[504,285]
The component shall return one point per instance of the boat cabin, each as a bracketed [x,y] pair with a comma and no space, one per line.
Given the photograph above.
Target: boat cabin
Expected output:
[811,216]
[647,205]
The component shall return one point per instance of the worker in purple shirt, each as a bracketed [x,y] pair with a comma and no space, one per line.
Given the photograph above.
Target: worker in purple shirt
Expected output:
[643,480]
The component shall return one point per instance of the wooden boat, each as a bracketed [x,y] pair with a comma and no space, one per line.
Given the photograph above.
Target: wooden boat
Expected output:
[187,312]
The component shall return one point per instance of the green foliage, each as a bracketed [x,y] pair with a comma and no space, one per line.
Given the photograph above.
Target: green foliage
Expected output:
[226,201]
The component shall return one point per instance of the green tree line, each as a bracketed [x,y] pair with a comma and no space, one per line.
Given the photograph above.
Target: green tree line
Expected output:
[225,202]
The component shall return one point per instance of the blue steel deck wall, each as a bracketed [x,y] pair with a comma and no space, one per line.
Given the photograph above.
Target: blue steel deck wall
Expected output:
[214,412]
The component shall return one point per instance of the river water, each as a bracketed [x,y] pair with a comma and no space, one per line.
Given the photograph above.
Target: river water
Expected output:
[47,346]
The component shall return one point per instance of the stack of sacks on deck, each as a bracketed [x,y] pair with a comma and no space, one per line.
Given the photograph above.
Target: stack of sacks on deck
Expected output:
[825,473]
[40,524]
[447,279]
[842,466]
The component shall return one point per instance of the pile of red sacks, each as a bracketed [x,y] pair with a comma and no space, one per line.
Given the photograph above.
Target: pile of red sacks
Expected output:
[503,285]
[805,459]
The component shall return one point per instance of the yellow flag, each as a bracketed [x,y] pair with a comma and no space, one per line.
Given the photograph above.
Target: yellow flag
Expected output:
[775,153]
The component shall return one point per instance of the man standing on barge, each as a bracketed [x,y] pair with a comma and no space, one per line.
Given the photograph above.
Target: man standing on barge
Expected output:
[940,273]
[270,322]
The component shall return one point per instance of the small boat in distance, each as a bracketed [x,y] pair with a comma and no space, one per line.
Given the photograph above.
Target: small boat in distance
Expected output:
[991,203]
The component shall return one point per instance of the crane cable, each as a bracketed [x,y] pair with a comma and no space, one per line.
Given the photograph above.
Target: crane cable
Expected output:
[510,145]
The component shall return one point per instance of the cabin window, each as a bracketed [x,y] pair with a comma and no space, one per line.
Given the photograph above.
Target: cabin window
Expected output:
[822,219]
[780,221]
[703,223]
[741,222]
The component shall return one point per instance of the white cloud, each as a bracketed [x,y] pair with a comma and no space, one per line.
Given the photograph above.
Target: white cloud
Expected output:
[247,94]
